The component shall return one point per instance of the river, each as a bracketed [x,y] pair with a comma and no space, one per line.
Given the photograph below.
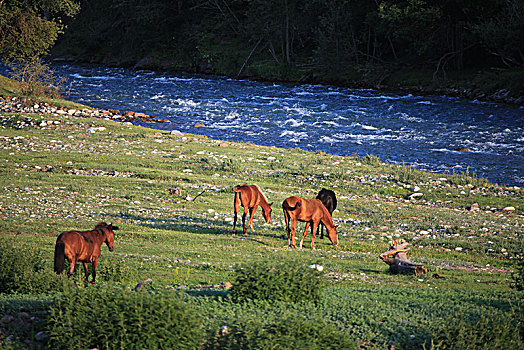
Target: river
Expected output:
[423,131]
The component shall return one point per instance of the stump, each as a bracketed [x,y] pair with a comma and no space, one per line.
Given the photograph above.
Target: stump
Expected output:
[397,260]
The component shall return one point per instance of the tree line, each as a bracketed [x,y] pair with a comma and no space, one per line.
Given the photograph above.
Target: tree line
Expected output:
[287,39]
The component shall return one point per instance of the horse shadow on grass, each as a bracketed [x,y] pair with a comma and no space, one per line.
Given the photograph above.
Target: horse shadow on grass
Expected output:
[199,226]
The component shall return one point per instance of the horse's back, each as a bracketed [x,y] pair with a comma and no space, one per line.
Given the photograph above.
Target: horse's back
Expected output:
[328,198]
[249,194]
[77,243]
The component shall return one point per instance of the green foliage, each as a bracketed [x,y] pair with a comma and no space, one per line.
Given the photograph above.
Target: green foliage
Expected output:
[112,269]
[481,332]
[110,318]
[285,333]
[23,269]
[289,281]
[518,275]
[30,28]
[370,160]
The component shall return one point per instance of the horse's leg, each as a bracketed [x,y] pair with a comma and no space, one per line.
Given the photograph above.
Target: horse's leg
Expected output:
[286,219]
[313,232]
[321,230]
[94,263]
[305,233]
[293,228]
[244,228]
[236,207]
[251,215]
[72,265]
[86,269]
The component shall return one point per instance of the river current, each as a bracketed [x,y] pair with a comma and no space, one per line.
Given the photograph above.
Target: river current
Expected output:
[423,131]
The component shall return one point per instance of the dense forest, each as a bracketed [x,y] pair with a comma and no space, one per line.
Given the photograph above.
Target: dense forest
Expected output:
[372,42]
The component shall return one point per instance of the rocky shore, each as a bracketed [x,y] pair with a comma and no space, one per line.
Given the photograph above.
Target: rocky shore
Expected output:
[14,104]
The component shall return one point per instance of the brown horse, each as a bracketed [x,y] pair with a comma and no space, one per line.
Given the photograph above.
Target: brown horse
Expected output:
[83,246]
[250,197]
[310,211]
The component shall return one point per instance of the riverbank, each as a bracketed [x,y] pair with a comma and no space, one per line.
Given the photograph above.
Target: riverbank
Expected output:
[491,85]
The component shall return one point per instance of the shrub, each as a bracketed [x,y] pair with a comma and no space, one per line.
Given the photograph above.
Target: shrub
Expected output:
[518,275]
[481,331]
[109,318]
[112,269]
[37,79]
[370,159]
[23,269]
[288,281]
[288,332]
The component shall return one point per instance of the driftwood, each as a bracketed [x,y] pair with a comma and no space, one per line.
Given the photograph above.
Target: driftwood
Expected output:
[397,260]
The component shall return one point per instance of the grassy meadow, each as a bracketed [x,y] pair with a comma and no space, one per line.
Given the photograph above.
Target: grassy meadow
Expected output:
[172,197]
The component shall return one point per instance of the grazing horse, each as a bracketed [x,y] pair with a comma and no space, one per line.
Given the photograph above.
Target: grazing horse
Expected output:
[83,246]
[328,198]
[250,197]
[310,211]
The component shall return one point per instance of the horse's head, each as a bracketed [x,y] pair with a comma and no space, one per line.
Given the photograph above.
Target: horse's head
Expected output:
[267,212]
[110,236]
[332,234]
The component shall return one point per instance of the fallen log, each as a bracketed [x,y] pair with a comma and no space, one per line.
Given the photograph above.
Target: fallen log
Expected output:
[398,261]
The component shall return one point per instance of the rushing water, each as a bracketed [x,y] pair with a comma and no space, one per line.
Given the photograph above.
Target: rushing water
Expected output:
[421,130]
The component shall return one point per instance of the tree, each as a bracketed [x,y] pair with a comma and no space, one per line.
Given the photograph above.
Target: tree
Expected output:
[29,28]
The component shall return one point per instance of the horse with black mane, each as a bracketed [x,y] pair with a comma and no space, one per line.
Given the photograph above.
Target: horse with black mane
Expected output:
[83,246]
[329,199]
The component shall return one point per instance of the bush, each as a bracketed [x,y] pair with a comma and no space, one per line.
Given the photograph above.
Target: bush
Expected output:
[37,79]
[23,269]
[288,332]
[481,331]
[112,269]
[518,276]
[288,281]
[111,318]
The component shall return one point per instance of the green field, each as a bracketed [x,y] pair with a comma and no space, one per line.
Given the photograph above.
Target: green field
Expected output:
[172,197]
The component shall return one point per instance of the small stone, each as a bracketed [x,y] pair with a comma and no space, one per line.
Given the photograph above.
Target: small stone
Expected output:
[40,336]
[7,319]
[416,195]
[474,207]
[175,132]
[508,209]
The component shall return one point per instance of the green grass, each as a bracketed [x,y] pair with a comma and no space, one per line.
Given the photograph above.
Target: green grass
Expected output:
[60,177]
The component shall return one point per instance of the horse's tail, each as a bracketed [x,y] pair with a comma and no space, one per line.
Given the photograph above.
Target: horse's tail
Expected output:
[59,257]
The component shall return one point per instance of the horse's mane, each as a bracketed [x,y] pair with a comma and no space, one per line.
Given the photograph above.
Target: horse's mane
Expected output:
[101,225]
[263,195]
